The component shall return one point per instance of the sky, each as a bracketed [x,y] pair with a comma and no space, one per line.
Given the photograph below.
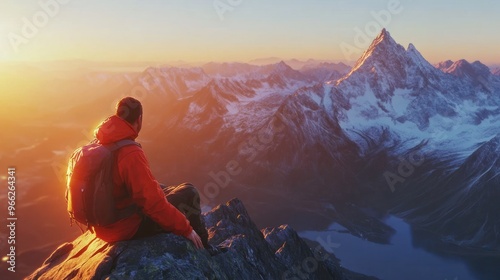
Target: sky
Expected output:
[242,30]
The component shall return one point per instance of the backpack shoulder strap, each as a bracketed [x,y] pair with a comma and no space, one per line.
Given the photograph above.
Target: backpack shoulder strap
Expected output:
[122,143]
[128,211]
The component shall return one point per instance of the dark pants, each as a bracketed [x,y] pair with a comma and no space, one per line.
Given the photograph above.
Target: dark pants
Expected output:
[186,199]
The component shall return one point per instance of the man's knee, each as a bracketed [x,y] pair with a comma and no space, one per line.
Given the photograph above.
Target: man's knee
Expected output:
[190,190]
[190,204]
[186,185]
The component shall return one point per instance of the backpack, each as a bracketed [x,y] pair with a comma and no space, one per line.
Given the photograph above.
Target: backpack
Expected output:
[89,185]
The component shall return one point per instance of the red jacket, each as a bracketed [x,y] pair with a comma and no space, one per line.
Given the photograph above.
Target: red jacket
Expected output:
[134,183]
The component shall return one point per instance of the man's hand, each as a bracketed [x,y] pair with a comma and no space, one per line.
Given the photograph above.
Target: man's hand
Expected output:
[195,238]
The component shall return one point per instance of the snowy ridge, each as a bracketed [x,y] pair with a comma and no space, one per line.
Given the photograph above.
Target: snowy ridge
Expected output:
[389,86]
[476,73]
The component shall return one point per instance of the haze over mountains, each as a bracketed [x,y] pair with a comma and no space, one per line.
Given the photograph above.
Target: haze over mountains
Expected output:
[310,133]
[317,143]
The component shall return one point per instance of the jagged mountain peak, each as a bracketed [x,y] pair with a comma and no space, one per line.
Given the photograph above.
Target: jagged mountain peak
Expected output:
[388,65]
[281,63]
[412,48]
[279,67]
[443,65]
[459,66]
[386,80]
[478,63]
[382,47]
[462,68]
[280,73]
[481,68]
[383,37]
[384,32]
[418,60]
[449,65]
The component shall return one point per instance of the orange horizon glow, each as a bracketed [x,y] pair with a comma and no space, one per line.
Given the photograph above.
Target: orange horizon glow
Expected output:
[196,32]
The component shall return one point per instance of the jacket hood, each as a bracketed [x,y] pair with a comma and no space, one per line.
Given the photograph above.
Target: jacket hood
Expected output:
[114,129]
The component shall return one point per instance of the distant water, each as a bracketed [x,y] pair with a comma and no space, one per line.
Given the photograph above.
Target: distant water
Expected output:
[397,261]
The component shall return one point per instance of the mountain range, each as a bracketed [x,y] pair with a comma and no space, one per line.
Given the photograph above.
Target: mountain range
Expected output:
[311,132]
[392,135]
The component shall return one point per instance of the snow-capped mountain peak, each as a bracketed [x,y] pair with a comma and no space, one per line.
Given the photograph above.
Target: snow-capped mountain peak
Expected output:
[382,46]
[418,59]
[423,67]
[399,88]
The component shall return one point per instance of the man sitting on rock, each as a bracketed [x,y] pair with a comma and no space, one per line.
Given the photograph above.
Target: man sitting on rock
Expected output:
[161,209]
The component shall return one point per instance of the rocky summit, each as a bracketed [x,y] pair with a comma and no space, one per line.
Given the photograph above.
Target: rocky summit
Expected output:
[273,253]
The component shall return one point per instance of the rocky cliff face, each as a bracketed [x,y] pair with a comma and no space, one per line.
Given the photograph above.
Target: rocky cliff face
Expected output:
[273,253]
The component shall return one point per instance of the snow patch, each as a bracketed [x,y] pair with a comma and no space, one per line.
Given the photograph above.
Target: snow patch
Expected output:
[401,100]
